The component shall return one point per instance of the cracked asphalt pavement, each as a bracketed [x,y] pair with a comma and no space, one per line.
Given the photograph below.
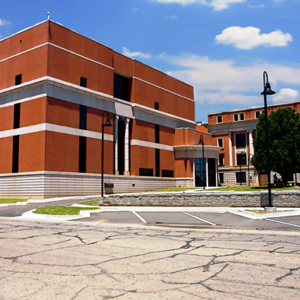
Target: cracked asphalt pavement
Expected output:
[81,260]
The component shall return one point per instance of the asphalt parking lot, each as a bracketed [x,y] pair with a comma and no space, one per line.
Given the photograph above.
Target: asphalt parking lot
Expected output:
[193,217]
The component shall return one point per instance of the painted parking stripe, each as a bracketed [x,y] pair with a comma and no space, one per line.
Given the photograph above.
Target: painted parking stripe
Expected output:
[142,219]
[284,223]
[200,219]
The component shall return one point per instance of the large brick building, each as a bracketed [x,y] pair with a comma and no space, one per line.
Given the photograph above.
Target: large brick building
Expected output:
[56,86]
[234,132]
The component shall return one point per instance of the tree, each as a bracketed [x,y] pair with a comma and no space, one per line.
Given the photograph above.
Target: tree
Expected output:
[284,143]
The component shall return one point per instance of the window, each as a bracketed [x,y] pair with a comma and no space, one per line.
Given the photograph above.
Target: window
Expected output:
[240,177]
[15,158]
[258,113]
[239,117]
[145,172]
[156,133]
[241,159]
[18,79]
[220,142]
[219,119]
[82,154]
[221,159]
[221,177]
[240,140]
[156,105]
[167,173]
[17,108]
[83,81]
[157,162]
[121,87]
[82,117]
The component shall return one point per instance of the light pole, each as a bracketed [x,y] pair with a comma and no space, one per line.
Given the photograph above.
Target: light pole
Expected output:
[267,91]
[107,124]
[202,162]
[293,158]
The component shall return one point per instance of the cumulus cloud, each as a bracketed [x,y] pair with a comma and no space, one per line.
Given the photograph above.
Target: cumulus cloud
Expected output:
[216,4]
[225,81]
[135,54]
[286,95]
[4,22]
[250,37]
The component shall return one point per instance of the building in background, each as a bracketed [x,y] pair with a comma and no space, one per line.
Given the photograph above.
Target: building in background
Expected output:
[56,86]
[234,132]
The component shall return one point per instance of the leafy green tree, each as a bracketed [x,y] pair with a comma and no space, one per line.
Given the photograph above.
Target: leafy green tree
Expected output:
[284,143]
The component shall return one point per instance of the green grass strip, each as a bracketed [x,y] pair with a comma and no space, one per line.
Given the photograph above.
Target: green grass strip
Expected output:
[91,203]
[9,201]
[60,210]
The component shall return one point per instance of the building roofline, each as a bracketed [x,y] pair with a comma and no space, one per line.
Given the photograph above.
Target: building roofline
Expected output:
[255,108]
[59,24]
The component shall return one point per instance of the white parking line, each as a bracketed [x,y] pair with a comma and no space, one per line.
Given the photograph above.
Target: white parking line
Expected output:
[284,223]
[142,219]
[200,219]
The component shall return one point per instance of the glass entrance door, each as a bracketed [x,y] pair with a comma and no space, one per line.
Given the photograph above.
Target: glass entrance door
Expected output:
[200,172]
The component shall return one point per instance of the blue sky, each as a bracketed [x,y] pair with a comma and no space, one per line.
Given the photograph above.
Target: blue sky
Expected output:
[220,47]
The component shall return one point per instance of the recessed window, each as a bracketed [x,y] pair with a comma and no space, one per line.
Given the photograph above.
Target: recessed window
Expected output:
[219,119]
[121,87]
[17,108]
[156,105]
[82,117]
[221,176]
[18,79]
[221,159]
[241,159]
[156,133]
[167,173]
[235,117]
[15,158]
[240,177]
[83,81]
[82,154]
[157,162]
[240,140]
[145,172]
[220,142]
[242,117]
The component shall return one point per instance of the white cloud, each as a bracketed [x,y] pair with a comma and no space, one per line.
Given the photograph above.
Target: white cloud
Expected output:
[4,22]
[225,81]
[135,54]
[216,4]
[250,37]
[285,95]
[173,17]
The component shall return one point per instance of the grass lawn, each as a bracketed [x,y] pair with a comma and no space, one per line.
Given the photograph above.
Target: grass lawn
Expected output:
[9,201]
[60,210]
[91,203]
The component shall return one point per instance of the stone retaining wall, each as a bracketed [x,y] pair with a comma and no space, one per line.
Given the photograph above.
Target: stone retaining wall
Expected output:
[206,199]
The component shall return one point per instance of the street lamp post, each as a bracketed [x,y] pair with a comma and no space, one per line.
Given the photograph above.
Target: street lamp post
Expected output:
[107,124]
[267,91]
[293,158]
[202,162]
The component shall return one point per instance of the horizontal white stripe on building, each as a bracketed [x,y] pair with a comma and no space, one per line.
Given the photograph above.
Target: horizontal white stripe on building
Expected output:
[77,132]
[151,145]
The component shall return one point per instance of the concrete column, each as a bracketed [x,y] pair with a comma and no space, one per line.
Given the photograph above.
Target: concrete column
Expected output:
[116,137]
[126,147]
[251,149]
[230,149]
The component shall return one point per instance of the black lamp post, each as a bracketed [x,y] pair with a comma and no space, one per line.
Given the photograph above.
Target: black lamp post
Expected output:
[267,91]
[107,124]
[293,158]
[202,162]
